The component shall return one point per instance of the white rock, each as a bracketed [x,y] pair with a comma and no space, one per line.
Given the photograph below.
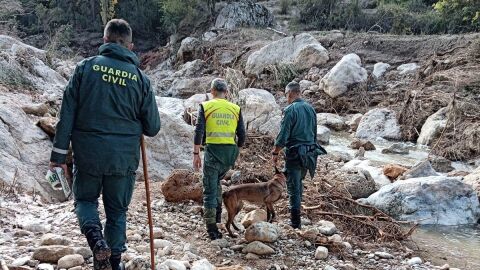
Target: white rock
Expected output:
[162,243]
[138,263]
[433,127]
[379,69]
[186,87]
[305,84]
[323,134]
[473,179]
[384,255]
[260,111]
[203,264]
[354,121]
[259,248]
[336,238]
[428,200]
[254,216]
[171,265]
[408,68]
[171,148]
[243,14]
[53,239]
[302,51]
[20,261]
[44,266]
[329,267]
[420,169]
[346,72]
[415,261]
[251,256]
[188,48]
[70,261]
[380,122]
[191,69]
[321,253]
[331,120]
[192,103]
[375,173]
[262,231]
[37,227]
[326,227]
[209,36]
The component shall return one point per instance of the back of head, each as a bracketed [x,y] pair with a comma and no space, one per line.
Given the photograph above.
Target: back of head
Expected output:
[219,87]
[293,87]
[118,31]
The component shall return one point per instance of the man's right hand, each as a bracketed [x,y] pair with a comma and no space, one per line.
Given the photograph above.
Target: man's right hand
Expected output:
[53,165]
[197,162]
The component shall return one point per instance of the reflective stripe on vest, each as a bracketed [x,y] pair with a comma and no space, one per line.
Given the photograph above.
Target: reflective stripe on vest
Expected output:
[221,119]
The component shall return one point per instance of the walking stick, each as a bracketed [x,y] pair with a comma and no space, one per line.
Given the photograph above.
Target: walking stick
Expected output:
[149,209]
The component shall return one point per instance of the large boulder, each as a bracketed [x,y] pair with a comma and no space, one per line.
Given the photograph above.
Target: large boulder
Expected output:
[433,126]
[302,51]
[252,217]
[428,200]
[186,87]
[358,182]
[420,169]
[365,165]
[182,186]
[243,14]
[379,69]
[189,50]
[380,122]
[24,66]
[473,179]
[260,111]
[346,72]
[323,134]
[24,153]
[51,254]
[171,148]
[331,120]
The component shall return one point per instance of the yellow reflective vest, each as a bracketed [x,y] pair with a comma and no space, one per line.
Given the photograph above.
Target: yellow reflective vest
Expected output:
[221,120]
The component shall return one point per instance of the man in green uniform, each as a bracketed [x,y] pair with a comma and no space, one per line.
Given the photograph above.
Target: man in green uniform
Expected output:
[298,135]
[107,105]
[218,123]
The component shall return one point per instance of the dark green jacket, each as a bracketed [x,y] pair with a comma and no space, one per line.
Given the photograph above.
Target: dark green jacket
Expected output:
[299,125]
[107,105]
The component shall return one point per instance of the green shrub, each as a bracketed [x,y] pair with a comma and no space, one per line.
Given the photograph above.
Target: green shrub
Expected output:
[284,6]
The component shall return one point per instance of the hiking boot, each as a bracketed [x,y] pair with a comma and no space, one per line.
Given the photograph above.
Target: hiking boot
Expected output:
[116,262]
[213,232]
[295,218]
[101,256]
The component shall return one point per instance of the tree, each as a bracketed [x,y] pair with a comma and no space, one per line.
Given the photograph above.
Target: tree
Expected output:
[107,10]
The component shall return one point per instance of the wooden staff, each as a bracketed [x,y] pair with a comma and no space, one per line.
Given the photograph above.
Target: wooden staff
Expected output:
[149,209]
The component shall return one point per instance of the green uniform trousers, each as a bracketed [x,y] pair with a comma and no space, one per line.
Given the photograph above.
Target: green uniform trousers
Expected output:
[295,178]
[218,159]
[117,193]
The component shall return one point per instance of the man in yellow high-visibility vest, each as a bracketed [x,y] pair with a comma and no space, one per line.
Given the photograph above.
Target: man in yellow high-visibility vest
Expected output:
[220,128]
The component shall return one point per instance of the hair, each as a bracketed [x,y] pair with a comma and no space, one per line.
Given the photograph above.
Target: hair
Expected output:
[118,31]
[293,87]
[219,84]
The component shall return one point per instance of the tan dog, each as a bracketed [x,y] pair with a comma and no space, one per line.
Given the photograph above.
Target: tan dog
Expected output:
[266,193]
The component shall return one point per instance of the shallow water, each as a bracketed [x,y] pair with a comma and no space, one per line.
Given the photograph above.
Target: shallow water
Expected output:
[459,246]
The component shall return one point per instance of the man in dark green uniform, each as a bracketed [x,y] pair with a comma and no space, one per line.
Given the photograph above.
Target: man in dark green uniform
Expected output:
[219,122]
[107,105]
[298,135]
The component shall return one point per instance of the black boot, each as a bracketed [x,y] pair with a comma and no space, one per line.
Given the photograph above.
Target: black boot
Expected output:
[218,215]
[116,262]
[213,232]
[101,250]
[295,218]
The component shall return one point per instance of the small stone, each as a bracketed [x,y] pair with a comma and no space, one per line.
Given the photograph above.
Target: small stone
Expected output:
[84,251]
[328,267]
[415,261]
[321,253]
[161,243]
[445,267]
[308,244]
[22,233]
[237,247]
[262,231]
[221,243]
[45,266]
[157,233]
[251,256]
[171,265]
[189,256]
[254,216]
[384,255]
[348,266]
[70,261]
[51,254]
[336,238]
[37,227]
[348,246]
[135,237]
[76,268]
[327,228]
[53,239]
[138,263]
[20,261]
[203,264]
[258,248]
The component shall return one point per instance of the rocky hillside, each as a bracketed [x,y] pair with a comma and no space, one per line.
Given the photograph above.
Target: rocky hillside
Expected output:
[397,114]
